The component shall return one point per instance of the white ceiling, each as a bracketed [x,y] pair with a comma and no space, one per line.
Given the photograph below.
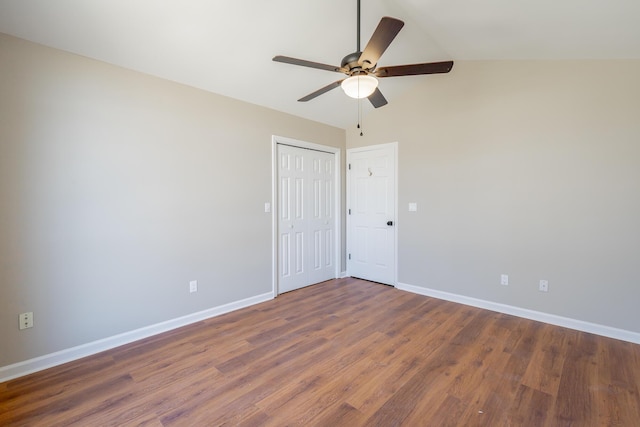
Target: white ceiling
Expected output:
[226,46]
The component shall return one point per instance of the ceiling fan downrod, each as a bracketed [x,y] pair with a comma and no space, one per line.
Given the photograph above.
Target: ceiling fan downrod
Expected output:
[358,29]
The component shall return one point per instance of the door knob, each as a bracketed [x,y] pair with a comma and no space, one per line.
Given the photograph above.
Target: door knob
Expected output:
[389,223]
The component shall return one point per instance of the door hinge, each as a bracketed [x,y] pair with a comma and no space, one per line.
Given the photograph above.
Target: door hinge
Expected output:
[349,211]
[349,166]
[349,256]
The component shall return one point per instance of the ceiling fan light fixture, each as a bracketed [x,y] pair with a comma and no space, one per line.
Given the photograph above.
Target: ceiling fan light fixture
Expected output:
[359,86]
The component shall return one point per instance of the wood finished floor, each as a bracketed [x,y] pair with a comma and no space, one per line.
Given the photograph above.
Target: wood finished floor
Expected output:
[343,353]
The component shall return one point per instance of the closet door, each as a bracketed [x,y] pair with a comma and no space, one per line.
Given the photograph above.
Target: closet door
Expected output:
[306,224]
[321,221]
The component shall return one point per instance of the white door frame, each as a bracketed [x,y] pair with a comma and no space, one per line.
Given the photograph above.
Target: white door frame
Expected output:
[394,146]
[275,140]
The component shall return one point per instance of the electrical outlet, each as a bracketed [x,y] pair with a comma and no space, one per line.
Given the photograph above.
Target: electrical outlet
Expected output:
[26,320]
[193,286]
[544,286]
[504,279]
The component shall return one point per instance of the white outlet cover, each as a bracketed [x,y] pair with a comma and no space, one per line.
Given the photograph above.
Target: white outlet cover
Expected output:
[26,320]
[267,207]
[544,286]
[413,207]
[193,286]
[504,279]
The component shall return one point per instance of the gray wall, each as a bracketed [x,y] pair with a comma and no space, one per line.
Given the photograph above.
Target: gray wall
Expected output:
[531,169]
[116,189]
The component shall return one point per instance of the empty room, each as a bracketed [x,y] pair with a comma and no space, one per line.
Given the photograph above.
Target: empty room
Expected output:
[329,213]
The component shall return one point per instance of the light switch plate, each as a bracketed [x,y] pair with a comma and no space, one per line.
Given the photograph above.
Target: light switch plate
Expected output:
[413,207]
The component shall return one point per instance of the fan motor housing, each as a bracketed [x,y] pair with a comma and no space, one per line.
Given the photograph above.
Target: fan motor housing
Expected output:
[350,62]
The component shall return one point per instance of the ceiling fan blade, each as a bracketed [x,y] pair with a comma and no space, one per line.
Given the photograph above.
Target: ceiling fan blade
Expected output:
[310,64]
[387,30]
[414,69]
[377,99]
[320,91]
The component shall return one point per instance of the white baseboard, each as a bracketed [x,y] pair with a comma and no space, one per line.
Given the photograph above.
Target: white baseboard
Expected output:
[579,325]
[58,358]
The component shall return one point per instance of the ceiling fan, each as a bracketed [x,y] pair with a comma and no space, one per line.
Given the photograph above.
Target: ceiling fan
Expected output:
[360,66]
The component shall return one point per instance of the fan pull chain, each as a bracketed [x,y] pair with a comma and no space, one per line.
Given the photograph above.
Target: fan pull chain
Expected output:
[359,102]
[361,127]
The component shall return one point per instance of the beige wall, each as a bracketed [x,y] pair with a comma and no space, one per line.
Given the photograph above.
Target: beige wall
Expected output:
[531,169]
[116,189]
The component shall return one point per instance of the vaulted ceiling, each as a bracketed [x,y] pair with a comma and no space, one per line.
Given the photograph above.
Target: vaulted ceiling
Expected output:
[226,46]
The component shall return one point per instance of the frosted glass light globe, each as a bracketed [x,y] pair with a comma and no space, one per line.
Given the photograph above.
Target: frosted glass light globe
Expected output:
[359,86]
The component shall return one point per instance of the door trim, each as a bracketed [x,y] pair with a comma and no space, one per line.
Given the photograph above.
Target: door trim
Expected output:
[275,141]
[394,147]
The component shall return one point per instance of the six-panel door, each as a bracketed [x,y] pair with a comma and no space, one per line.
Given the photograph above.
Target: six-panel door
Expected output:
[306,225]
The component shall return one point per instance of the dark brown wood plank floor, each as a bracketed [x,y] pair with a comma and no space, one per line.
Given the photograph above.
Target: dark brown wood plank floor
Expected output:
[343,353]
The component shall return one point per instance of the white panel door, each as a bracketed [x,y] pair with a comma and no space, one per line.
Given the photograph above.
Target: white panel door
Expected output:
[371,213]
[321,221]
[292,171]
[306,224]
